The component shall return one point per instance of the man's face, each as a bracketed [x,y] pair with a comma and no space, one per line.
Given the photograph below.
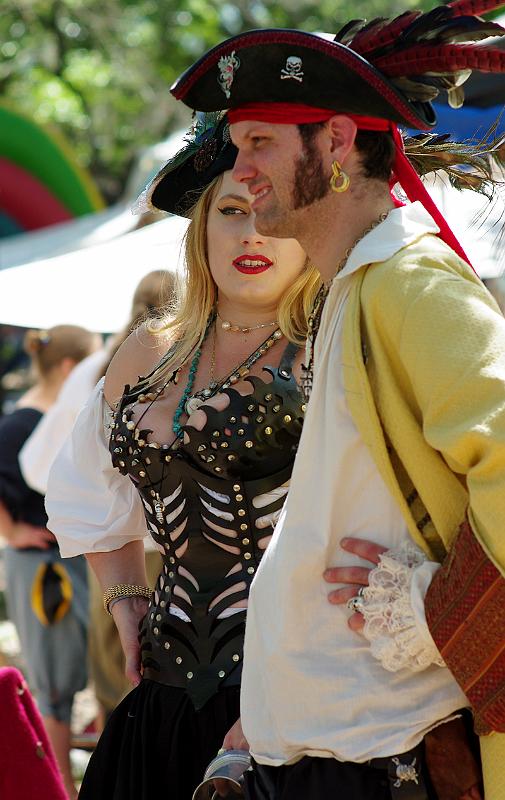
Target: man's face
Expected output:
[284,173]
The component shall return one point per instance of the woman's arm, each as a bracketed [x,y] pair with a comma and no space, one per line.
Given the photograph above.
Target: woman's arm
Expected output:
[126,565]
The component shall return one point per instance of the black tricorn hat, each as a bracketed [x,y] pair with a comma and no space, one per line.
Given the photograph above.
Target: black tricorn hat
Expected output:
[390,69]
[208,153]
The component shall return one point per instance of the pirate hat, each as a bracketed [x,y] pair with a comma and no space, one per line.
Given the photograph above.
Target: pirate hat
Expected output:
[180,182]
[390,69]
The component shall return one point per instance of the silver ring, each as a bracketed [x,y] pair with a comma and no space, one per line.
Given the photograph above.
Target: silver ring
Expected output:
[361,591]
[356,604]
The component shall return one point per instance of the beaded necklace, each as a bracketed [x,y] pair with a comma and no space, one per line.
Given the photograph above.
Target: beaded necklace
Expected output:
[181,408]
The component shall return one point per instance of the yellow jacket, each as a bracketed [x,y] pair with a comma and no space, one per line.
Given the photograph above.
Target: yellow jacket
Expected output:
[424,374]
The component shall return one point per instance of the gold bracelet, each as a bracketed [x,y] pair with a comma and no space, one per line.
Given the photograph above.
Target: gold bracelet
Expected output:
[123,590]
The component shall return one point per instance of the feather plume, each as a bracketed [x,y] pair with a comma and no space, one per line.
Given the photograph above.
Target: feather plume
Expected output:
[468,165]
[349,31]
[424,54]
[384,35]
[475,166]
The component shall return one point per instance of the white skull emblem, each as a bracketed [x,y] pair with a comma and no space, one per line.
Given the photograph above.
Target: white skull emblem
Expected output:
[293,69]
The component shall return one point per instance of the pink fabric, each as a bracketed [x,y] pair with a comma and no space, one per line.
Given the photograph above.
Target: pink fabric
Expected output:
[28,768]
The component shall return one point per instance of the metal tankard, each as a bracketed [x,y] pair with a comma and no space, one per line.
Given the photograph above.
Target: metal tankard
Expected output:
[229,768]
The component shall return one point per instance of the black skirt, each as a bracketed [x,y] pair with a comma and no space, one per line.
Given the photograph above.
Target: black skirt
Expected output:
[156,745]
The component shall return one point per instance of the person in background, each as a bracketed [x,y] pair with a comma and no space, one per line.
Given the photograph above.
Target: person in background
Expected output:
[106,658]
[47,602]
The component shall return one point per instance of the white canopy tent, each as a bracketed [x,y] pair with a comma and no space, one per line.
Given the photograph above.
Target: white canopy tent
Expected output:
[92,287]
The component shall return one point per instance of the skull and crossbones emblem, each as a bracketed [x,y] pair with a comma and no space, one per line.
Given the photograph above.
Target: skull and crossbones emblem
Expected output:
[405,772]
[293,69]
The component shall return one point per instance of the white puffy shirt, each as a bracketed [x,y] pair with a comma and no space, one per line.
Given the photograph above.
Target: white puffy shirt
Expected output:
[311,686]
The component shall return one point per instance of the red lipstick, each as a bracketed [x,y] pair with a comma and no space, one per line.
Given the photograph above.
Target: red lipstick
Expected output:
[251,264]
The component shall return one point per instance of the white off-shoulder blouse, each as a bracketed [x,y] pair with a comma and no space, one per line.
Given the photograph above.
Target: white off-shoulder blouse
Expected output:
[91,506]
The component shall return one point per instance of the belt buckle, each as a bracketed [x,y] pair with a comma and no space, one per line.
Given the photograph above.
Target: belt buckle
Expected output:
[405,772]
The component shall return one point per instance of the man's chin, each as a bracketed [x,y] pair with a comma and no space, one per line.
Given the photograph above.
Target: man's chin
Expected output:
[268,224]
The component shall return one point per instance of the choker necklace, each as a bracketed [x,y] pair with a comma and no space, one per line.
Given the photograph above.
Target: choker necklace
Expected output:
[230,326]
[317,311]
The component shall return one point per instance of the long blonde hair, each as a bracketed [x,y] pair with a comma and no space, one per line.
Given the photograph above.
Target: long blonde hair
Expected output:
[196,294]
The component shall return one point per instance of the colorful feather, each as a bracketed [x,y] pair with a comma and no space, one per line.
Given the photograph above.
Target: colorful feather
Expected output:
[349,31]
[468,165]
[474,7]
[382,35]
[444,59]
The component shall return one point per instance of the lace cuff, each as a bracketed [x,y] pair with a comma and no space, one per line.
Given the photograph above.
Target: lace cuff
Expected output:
[394,627]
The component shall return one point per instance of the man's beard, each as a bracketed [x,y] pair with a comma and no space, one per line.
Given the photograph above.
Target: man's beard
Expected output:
[309,184]
[310,181]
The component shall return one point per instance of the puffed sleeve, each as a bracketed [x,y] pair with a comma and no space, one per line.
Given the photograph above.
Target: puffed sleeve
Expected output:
[91,507]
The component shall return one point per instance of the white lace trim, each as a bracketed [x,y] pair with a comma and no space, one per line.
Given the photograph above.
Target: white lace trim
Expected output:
[390,623]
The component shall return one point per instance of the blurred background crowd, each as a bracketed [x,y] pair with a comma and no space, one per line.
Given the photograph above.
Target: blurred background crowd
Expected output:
[86,119]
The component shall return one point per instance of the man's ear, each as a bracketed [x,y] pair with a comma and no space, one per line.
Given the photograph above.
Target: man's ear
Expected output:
[342,132]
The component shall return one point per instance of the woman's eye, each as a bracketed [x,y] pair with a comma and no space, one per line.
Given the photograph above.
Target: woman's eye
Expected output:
[227,210]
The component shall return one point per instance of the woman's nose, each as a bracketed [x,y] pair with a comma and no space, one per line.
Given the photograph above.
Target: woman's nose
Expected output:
[249,233]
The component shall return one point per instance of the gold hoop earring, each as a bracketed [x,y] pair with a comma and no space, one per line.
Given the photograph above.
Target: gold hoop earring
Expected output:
[339,175]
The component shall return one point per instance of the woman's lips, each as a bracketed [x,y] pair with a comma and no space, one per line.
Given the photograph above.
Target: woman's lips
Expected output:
[251,265]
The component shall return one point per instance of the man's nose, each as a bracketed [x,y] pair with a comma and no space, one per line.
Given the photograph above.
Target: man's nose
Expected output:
[244,169]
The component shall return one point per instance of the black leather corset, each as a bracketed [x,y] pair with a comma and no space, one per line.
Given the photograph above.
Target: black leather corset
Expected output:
[199,498]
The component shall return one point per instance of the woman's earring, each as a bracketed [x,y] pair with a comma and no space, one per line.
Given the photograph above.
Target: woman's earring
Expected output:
[339,175]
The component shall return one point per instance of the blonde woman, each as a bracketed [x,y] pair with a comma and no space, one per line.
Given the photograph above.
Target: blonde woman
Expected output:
[207,442]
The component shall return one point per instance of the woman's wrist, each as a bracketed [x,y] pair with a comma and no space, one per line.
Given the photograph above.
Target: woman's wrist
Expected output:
[121,591]
[134,603]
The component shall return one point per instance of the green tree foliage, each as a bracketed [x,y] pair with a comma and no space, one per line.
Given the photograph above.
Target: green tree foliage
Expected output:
[100,70]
